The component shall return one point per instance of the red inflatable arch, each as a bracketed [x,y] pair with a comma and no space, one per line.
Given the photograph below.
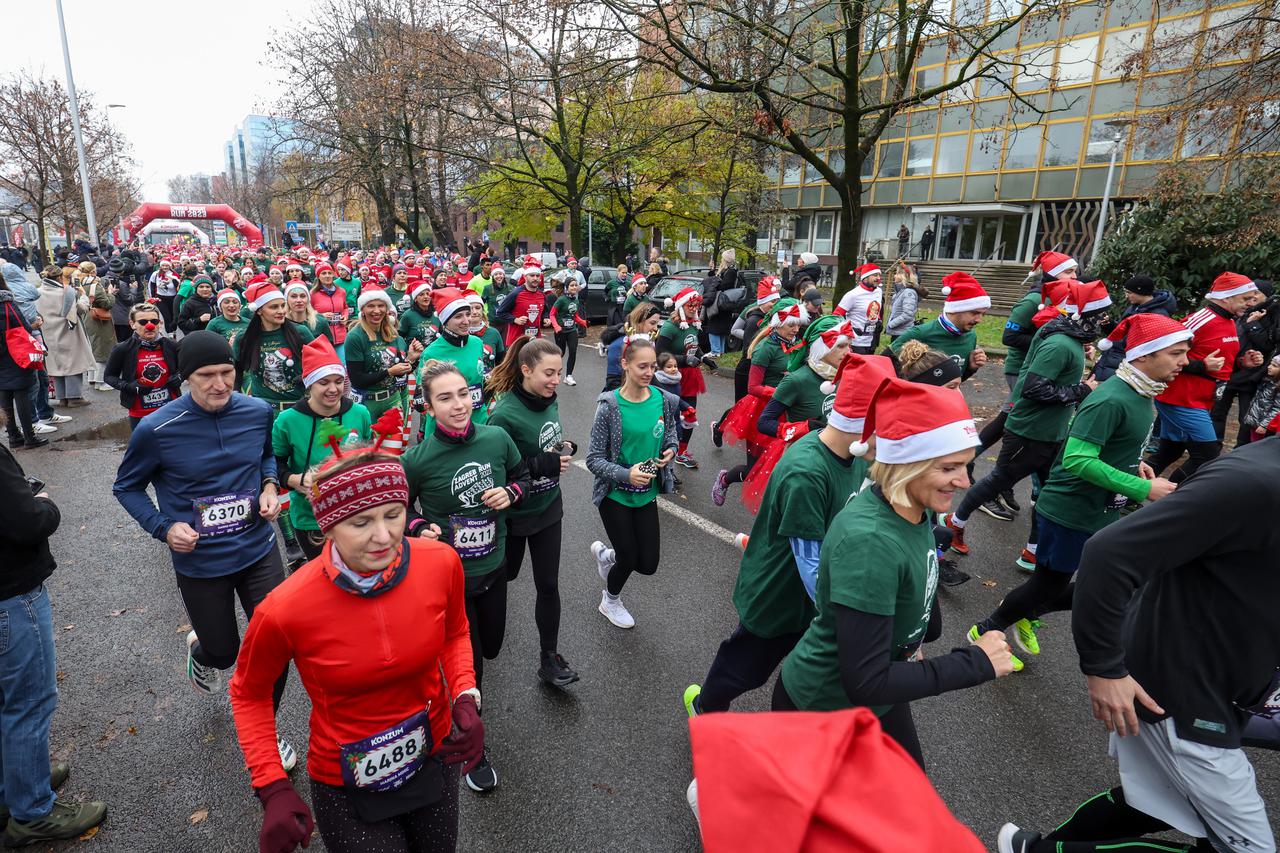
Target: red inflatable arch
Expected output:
[150,210]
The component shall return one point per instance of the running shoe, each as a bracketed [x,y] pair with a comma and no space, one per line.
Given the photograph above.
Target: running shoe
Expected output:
[29,443]
[1024,636]
[720,488]
[43,429]
[612,609]
[1009,502]
[57,419]
[601,351]
[555,670]
[949,574]
[1013,839]
[569,380]
[483,778]
[691,694]
[973,638]
[957,536]
[691,797]
[604,559]
[59,772]
[996,510]
[205,679]
[62,822]
[687,461]
[741,540]
[1026,561]
[717,437]
[288,755]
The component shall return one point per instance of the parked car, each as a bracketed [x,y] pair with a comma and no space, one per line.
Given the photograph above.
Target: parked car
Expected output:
[670,285]
[593,306]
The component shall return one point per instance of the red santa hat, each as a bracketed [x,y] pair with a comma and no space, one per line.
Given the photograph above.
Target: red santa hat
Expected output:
[1053,263]
[1084,297]
[830,338]
[532,266]
[343,265]
[1230,284]
[275,268]
[682,300]
[417,288]
[856,383]
[372,293]
[448,301]
[291,286]
[261,293]
[638,278]
[963,293]
[476,301]
[293,266]
[768,290]
[323,266]
[913,422]
[225,294]
[866,271]
[320,359]
[570,260]
[1144,334]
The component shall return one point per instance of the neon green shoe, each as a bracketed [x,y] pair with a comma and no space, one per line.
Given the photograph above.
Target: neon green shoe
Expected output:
[691,693]
[973,638]
[1024,636]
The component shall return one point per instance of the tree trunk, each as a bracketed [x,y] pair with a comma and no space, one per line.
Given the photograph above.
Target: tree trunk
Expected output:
[850,235]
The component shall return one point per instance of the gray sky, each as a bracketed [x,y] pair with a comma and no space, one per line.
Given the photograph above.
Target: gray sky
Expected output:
[187,72]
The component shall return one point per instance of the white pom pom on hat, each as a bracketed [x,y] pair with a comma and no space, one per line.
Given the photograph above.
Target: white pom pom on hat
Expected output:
[827,387]
[946,290]
[1104,344]
[859,448]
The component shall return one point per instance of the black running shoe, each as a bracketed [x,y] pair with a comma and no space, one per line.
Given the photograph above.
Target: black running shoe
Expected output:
[1008,501]
[555,670]
[996,511]
[293,555]
[717,437]
[949,575]
[483,778]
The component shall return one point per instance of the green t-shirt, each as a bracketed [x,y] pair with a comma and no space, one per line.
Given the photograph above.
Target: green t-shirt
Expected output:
[226,328]
[278,377]
[534,433]
[615,292]
[396,294]
[936,336]
[801,393]
[769,355]
[470,361]
[679,341]
[494,348]
[446,480]
[352,288]
[373,356]
[565,310]
[809,485]
[321,327]
[1059,358]
[633,299]
[1020,320]
[643,427]
[1117,419]
[417,326]
[493,297]
[184,293]
[875,561]
[295,436]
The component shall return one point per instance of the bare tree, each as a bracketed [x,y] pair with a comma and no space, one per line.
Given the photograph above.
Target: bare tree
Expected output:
[190,189]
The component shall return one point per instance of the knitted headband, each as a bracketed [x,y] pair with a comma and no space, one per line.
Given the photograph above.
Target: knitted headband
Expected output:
[370,484]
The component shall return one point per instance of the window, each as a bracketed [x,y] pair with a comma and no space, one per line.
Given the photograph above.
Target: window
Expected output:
[1062,144]
[1101,138]
[1119,47]
[920,157]
[559,248]
[924,122]
[1228,36]
[984,151]
[546,247]
[792,169]
[824,226]
[970,12]
[868,165]
[928,78]
[1001,9]
[1261,127]
[1208,132]
[890,160]
[951,151]
[1076,61]
[1154,138]
[801,231]
[1036,66]
[1023,151]
[1171,46]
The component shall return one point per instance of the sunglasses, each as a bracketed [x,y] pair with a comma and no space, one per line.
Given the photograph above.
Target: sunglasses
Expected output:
[148,324]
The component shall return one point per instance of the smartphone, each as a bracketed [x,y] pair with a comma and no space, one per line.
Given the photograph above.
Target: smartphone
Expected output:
[649,466]
[567,448]
[36,484]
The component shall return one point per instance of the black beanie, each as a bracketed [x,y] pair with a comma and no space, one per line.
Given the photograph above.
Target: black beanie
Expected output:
[1141,285]
[202,349]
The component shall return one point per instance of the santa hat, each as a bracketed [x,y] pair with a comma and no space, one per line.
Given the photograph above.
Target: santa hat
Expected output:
[261,293]
[1084,297]
[344,265]
[448,301]
[913,422]
[793,314]
[1052,294]
[421,285]
[820,337]
[475,300]
[865,271]
[532,266]
[290,287]
[225,294]
[1230,284]
[1144,334]
[372,294]
[963,294]
[1053,263]
[856,383]
[768,290]
[638,279]
[293,266]
[681,299]
[323,266]
[275,268]
[320,359]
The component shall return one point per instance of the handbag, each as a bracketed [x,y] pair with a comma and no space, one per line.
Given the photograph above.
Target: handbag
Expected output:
[25,349]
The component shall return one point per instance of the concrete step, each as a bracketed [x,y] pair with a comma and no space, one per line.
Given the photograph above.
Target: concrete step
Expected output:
[1005,282]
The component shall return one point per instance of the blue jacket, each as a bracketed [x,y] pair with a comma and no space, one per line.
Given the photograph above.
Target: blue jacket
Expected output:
[24,292]
[189,453]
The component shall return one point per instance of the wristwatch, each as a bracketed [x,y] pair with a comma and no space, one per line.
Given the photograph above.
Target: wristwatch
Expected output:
[271,480]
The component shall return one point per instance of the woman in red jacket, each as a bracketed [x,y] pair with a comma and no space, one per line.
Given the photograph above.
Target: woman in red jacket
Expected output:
[382,760]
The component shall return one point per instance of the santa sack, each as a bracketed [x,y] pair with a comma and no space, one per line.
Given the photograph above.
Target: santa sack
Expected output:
[25,348]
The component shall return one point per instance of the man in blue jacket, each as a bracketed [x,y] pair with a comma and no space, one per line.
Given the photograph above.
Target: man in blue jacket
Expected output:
[209,456]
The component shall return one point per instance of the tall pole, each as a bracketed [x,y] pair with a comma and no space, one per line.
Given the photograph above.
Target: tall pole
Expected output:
[75,125]
[589,238]
[1120,127]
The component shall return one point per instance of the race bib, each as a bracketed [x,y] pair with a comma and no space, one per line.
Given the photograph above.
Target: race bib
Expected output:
[389,759]
[477,396]
[531,332]
[219,515]
[155,399]
[473,537]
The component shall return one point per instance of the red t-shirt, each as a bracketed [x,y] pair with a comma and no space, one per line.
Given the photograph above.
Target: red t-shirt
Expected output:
[1210,331]
[532,305]
[152,373]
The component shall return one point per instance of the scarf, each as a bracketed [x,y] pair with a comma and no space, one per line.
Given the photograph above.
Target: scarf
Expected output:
[1139,381]
[351,581]
[948,325]
[787,348]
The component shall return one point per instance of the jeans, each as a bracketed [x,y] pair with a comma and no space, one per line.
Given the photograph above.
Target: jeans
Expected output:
[718,343]
[40,397]
[28,696]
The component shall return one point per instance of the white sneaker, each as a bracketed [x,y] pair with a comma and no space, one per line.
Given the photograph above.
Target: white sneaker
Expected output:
[612,609]
[40,428]
[205,679]
[569,380]
[58,419]
[691,796]
[600,348]
[288,757]
[604,559]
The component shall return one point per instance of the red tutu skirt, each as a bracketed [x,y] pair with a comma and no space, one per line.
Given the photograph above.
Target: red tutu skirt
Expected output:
[692,382]
[758,479]
[739,426]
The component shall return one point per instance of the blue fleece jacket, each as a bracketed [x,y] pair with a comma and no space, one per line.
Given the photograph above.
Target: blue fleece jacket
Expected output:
[188,453]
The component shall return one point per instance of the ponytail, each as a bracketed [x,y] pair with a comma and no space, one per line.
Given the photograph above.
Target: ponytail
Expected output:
[765,329]
[524,352]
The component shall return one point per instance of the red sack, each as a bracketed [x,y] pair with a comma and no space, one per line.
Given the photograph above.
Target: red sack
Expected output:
[25,349]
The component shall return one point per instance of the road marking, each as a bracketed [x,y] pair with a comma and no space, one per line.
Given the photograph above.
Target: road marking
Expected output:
[706,525]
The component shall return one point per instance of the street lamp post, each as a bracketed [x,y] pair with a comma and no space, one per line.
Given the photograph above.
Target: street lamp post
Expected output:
[1118,127]
[92,220]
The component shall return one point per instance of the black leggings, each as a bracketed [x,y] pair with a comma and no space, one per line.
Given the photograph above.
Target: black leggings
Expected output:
[992,432]
[21,402]
[633,535]
[487,614]
[738,473]
[683,431]
[430,829]
[310,541]
[568,343]
[1019,458]
[544,555]
[1169,451]
[1222,410]
[744,662]
[210,604]
[1107,822]
[896,722]
[166,313]
[1046,591]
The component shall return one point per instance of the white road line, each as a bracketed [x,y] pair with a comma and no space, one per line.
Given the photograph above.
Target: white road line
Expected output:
[687,516]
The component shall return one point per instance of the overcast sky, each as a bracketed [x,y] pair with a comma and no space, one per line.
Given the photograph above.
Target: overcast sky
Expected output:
[187,73]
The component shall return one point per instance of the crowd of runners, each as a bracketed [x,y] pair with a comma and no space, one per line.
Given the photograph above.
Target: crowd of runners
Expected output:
[389,446]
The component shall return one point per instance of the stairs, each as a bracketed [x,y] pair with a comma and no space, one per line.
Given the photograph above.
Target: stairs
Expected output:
[1006,282]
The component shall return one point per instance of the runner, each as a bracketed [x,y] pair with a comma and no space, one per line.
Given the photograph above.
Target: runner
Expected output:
[456,345]
[493,297]
[636,295]
[144,369]
[301,433]
[615,295]
[566,321]
[679,336]
[297,297]
[378,360]
[215,518]
[229,323]
[269,353]
[494,348]
[862,306]
[329,298]
[525,388]
[463,477]
[643,321]
[953,331]
[745,329]
[633,440]
[776,583]
[164,288]
[877,574]
[419,322]
[1099,470]
[524,310]
[917,363]
[804,396]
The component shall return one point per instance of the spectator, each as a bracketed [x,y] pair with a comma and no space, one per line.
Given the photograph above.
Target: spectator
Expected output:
[904,240]
[907,293]
[719,319]
[656,257]
[16,380]
[101,294]
[926,243]
[70,357]
[1143,298]
[809,271]
[122,273]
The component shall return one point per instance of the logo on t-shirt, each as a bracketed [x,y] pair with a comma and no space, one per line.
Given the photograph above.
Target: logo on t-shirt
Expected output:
[471,481]
[660,428]
[828,403]
[277,373]
[930,589]
[550,436]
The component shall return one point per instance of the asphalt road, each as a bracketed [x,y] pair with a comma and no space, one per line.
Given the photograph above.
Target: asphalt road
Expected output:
[600,767]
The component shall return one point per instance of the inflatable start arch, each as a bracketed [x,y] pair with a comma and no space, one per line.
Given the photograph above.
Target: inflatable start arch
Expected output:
[150,210]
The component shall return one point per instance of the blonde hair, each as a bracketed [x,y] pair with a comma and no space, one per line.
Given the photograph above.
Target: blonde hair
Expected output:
[894,479]
[915,358]
[386,331]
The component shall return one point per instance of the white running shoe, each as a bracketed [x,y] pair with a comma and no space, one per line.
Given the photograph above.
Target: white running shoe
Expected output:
[57,419]
[612,609]
[604,559]
[691,796]
[205,679]
[288,756]
[42,428]
[600,348]
[569,380]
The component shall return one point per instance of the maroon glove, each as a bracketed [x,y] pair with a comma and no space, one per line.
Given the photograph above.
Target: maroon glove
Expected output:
[286,820]
[466,743]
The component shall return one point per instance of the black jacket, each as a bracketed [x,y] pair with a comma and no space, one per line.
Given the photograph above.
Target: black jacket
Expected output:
[26,523]
[122,365]
[1262,335]
[1162,302]
[192,310]
[13,377]
[128,293]
[811,273]
[720,322]
[1043,388]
